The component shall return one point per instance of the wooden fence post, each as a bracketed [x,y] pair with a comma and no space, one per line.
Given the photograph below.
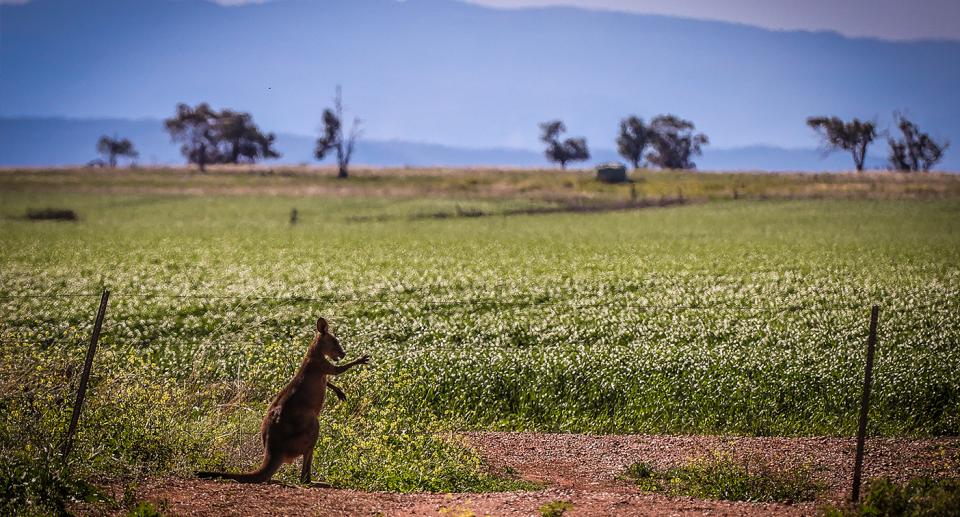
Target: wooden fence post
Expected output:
[75,418]
[865,404]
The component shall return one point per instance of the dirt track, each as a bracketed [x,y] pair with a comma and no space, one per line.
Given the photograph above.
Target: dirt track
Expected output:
[579,469]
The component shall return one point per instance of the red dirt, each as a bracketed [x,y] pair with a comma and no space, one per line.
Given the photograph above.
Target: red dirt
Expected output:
[580,469]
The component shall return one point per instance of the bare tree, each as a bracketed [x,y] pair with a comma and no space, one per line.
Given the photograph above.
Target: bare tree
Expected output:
[110,148]
[916,151]
[196,128]
[674,142]
[633,140]
[569,150]
[332,136]
[854,136]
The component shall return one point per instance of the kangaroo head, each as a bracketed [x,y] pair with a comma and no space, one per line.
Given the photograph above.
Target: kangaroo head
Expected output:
[327,343]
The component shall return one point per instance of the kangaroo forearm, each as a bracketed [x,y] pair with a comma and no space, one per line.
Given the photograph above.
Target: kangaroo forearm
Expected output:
[342,368]
[364,359]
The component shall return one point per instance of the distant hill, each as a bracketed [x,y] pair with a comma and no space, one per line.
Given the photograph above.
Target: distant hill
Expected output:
[460,75]
[58,141]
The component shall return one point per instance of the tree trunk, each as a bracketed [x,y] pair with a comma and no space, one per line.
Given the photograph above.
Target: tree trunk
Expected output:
[203,157]
[341,161]
[858,158]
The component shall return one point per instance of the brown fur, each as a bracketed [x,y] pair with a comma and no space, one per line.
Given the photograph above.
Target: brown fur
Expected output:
[290,427]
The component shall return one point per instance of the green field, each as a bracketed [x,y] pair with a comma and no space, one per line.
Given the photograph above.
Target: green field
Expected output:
[731,317]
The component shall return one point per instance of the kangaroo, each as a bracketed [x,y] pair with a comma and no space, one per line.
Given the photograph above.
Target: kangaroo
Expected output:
[290,427]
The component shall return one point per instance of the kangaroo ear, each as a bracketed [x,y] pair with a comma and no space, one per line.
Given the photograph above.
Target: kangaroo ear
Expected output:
[322,326]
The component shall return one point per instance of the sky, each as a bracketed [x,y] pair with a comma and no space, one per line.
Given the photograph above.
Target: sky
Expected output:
[484,73]
[896,20]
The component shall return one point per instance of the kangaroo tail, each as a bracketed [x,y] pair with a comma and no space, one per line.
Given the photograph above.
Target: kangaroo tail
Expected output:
[271,464]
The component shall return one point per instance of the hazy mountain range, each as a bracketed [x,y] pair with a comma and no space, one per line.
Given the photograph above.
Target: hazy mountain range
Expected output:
[466,80]
[57,141]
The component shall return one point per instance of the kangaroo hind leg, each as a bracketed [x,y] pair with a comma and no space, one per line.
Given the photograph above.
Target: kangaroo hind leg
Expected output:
[307,467]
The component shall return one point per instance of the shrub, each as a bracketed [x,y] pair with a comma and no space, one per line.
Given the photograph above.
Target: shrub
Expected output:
[719,475]
[921,497]
[54,214]
[555,509]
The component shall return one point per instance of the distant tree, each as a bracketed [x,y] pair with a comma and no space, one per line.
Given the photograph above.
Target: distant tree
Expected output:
[569,150]
[226,136]
[196,128]
[633,140]
[916,151]
[110,148]
[332,137]
[674,142]
[241,140]
[854,136]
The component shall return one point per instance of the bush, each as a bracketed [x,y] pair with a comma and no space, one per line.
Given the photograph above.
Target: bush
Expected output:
[40,487]
[54,214]
[555,509]
[921,497]
[719,475]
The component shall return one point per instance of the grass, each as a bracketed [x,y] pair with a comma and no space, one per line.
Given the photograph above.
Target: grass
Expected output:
[728,317]
[555,509]
[564,322]
[718,475]
[571,187]
[920,497]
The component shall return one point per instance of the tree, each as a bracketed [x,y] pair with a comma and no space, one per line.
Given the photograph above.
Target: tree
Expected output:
[570,150]
[854,136]
[633,140]
[333,137]
[915,151]
[110,148]
[196,128]
[226,136]
[241,140]
[674,142]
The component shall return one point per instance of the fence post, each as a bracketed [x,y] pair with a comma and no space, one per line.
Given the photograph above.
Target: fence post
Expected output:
[75,417]
[865,404]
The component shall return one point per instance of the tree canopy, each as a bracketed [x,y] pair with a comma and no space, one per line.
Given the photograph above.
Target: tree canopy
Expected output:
[241,139]
[110,148]
[673,142]
[226,136]
[569,150]
[195,128]
[332,137]
[633,139]
[854,136]
[916,151]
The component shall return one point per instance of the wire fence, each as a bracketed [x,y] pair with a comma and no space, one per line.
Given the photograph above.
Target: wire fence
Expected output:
[243,440]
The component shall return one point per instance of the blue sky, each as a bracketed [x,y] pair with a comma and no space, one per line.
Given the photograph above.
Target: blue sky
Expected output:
[462,74]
